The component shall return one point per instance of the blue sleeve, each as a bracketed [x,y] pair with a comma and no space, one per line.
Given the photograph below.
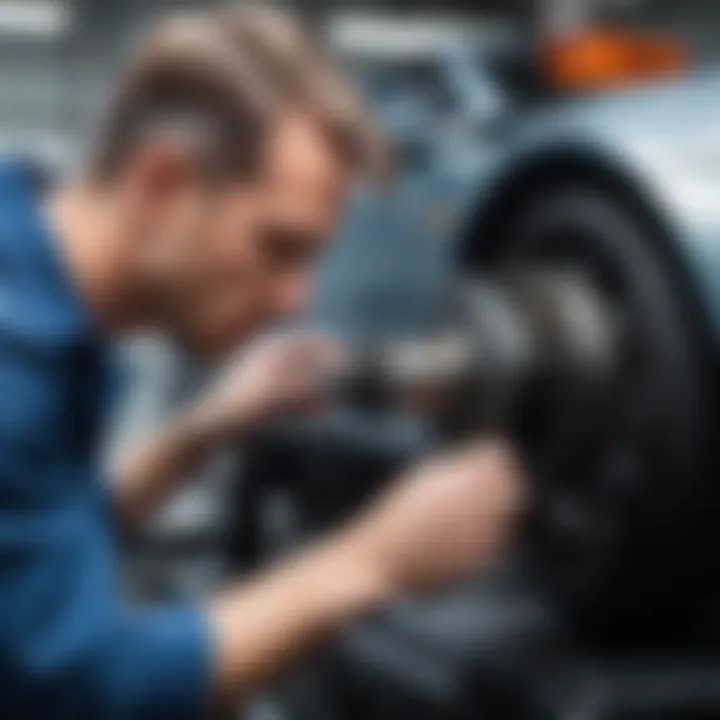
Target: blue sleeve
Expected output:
[160,667]
[69,648]
[144,666]
[139,666]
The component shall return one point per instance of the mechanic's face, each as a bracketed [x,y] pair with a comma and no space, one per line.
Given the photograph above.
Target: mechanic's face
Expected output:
[236,258]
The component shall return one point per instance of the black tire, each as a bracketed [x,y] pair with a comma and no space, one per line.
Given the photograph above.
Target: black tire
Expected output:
[642,571]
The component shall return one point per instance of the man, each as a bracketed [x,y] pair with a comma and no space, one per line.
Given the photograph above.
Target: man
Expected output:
[215,182]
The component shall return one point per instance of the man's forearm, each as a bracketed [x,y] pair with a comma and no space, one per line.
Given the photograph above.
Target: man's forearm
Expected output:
[267,624]
[276,374]
[146,475]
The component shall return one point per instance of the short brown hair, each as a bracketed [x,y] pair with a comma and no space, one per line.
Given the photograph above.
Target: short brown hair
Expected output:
[226,73]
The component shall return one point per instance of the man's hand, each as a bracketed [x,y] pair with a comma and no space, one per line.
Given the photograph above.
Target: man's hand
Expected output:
[277,373]
[441,521]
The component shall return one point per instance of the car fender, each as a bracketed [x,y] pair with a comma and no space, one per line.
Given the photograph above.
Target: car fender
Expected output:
[673,172]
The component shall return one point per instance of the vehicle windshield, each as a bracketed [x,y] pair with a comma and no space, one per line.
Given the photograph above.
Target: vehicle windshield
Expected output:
[422,80]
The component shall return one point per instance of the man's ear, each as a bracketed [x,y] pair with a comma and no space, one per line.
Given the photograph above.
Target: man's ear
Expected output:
[160,168]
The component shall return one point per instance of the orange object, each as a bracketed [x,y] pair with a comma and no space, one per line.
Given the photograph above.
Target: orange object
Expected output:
[601,58]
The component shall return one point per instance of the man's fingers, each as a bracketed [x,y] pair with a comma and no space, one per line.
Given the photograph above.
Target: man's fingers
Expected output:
[324,350]
[316,359]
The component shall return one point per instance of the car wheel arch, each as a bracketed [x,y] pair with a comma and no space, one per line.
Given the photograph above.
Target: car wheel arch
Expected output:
[548,170]
[480,236]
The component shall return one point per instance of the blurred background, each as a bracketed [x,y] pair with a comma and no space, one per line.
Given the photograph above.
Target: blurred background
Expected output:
[582,134]
[57,57]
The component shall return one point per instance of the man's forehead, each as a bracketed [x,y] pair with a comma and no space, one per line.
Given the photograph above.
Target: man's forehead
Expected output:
[299,153]
[303,180]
